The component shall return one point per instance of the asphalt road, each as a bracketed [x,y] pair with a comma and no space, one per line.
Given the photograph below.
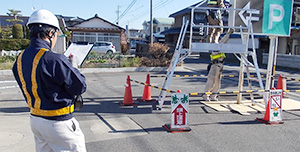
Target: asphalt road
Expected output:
[110,127]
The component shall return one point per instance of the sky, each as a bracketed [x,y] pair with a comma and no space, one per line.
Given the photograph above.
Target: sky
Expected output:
[131,12]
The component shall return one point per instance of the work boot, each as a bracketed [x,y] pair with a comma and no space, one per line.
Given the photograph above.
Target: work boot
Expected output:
[230,30]
[214,98]
[206,98]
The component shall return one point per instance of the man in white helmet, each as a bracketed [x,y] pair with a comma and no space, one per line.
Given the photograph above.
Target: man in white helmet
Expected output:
[49,84]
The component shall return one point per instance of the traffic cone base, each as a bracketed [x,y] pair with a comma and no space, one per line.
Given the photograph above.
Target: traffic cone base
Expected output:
[148,100]
[176,130]
[269,122]
[128,104]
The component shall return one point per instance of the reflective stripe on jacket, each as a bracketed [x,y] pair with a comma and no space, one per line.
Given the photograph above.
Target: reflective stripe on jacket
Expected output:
[212,2]
[217,56]
[48,81]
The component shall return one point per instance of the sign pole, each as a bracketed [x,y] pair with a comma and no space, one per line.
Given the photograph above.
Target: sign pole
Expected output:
[270,63]
[274,62]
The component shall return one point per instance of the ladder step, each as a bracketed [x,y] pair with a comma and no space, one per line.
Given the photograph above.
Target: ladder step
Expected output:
[253,79]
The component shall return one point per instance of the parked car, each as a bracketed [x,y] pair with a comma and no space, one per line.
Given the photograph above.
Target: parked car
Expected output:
[104,47]
[134,42]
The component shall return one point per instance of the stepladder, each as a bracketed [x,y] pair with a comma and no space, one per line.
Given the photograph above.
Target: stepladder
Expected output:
[240,50]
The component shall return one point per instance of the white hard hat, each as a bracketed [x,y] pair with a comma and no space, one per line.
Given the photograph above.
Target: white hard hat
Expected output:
[44,17]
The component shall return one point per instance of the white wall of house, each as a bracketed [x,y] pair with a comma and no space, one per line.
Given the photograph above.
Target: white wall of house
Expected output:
[96,37]
[162,27]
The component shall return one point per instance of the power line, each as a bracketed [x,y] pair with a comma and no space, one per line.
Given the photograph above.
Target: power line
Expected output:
[157,6]
[126,10]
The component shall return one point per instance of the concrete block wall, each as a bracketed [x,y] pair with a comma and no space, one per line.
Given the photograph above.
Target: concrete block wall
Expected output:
[284,60]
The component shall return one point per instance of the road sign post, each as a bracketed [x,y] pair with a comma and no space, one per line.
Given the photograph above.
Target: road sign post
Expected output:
[179,113]
[277,18]
[268,17]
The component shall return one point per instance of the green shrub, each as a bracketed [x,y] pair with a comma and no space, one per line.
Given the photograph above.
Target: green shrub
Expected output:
[17,31]
[132,62]
[13,44]
[4,59]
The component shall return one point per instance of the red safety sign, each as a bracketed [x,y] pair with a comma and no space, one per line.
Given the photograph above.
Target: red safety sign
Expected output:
[275,105]
[179,110]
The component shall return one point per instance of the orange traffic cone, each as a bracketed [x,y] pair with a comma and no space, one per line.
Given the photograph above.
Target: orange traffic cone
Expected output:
[266,118]
[281,85]
[128,94]
[147,92]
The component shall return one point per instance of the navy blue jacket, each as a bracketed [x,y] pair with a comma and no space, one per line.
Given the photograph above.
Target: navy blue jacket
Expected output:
[49,83]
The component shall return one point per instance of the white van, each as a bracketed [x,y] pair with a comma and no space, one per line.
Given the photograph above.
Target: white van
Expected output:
[104,47]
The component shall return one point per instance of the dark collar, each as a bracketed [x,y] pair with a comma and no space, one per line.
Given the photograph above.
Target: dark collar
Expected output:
[39,43]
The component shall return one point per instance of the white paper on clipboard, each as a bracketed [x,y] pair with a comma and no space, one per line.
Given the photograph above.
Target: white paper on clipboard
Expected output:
[79,51]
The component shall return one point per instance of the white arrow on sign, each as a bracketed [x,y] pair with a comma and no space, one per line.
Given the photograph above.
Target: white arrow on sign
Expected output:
[250,12]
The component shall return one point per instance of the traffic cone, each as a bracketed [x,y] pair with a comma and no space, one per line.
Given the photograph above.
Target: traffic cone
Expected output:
[128,101]
[147,92]
[266,118]
[281,85]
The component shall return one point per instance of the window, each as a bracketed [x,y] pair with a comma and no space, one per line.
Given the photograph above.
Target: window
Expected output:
[165,28]
[158,29]
[183,19]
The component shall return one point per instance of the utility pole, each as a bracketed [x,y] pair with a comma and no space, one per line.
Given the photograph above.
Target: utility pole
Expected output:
[118,15]
[151,24]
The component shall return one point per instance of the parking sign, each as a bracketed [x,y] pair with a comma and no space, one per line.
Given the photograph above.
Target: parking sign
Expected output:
[277,17]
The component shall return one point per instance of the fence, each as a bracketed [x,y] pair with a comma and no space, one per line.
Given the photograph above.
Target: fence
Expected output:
[9,53]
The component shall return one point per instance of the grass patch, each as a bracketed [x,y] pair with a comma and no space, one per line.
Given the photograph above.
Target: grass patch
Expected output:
[7,62]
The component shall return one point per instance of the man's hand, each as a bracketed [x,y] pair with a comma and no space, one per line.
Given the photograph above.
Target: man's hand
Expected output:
[74,61]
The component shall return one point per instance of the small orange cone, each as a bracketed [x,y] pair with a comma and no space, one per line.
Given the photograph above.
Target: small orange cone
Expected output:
[281,85]
[128,94]
[267,113]
[147,92]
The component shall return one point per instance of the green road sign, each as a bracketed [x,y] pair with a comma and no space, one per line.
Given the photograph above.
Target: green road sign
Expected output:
[277,17]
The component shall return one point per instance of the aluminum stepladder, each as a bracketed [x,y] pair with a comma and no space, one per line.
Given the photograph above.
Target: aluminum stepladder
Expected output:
[242,49]
[175,60]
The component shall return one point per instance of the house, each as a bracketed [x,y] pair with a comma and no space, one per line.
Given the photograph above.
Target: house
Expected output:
[96,29]
[66,21]
[4,23]
[180,17]
[136,34]
[159,25]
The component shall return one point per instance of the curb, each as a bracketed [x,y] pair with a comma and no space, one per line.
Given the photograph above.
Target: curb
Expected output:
[6,72]
[98,70]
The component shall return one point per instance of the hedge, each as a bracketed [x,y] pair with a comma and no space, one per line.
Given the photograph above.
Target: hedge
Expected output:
[17,31]
[13,44]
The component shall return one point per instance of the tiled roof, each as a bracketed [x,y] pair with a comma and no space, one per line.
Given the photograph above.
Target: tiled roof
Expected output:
[94,29]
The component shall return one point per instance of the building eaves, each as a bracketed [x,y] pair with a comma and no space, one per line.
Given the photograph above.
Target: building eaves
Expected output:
[89,29]
[97,17]
[165,20]
[187,9]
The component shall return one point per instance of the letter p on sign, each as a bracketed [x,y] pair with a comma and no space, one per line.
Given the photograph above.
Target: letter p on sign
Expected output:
[277,17]
[273,17]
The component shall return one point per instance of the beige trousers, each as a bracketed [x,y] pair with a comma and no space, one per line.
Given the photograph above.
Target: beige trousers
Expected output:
[213,82]
[57,136]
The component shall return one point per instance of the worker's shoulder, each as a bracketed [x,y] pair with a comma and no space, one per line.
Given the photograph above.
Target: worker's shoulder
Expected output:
[49,55]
